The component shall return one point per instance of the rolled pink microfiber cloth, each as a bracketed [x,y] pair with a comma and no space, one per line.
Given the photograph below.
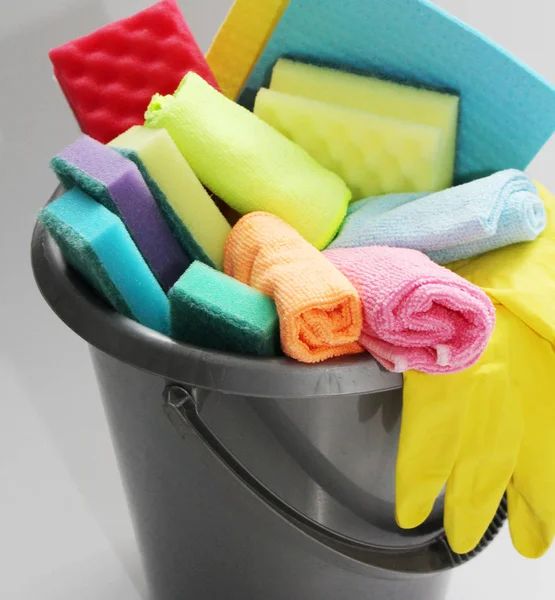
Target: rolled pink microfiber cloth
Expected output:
[117,183]
[417,315]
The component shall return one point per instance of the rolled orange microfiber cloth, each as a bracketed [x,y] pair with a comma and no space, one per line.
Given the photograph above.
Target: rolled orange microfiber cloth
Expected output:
[320,312]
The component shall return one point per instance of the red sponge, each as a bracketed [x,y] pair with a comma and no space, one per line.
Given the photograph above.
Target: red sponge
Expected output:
[110,75]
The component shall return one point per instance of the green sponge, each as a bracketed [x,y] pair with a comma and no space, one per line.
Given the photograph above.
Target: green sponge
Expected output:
[96,243]
[374,155]
[211,310]
[379,97]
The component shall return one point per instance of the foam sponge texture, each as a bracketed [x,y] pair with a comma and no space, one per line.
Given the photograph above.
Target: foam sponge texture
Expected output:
[379,97]
[95,242]
[110,75]
[212,310]
[507,111]
[372,154]
[116,182]
[247,163]
[241,39]
[195,220]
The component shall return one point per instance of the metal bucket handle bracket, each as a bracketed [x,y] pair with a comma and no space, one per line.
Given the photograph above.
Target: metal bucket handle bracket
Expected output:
[183,410]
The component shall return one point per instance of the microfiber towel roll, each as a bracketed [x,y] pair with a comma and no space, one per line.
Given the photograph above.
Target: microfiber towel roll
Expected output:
[507,110]
[319,310]
[461,222]
[247,163]
[117,183]
[417,315]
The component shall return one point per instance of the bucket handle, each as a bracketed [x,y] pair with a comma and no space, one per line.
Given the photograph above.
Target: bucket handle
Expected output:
[183,410]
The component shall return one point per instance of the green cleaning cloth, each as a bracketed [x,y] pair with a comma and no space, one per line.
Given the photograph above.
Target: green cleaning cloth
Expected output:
[248,164]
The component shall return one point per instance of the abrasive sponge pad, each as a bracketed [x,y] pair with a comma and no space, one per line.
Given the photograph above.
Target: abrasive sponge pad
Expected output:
[379,97]
[240,40]
[110,75]
[211,310]
[507,111]
[247,163]
[95,242]
[192,214]
[374,155]
[116,182]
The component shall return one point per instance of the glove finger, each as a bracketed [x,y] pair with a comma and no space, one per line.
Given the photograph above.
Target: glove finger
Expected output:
[486,461]
[434,411]
[531,536]
[534,477]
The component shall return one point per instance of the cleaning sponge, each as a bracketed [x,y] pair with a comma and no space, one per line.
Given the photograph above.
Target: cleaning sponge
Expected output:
[116,182]
[196,221]
[241,39]
[213,310]
[379,97]
[507,110]
[95,242]
[374,155]
[247,163]
[110,75]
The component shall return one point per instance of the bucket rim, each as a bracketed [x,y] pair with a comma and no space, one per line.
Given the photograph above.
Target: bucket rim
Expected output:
[90,317]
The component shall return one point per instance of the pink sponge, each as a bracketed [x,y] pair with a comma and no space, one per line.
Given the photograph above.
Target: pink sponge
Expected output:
[110,75]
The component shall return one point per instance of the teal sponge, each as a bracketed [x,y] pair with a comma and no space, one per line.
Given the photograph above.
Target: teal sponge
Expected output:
[96,243]
[212,310]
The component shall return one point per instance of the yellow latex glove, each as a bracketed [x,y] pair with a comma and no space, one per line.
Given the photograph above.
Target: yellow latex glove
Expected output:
[489,428]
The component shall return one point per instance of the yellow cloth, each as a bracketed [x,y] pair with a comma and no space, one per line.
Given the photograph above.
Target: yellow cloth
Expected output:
[247,163]
[240,41]
[320,312]
[490,428]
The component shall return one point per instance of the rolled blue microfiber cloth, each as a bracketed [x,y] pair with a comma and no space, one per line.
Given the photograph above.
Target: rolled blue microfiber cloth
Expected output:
[461,222]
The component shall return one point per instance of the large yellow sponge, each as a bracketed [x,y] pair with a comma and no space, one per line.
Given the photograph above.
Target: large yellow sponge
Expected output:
[379,97]
[196,221]
[374,155]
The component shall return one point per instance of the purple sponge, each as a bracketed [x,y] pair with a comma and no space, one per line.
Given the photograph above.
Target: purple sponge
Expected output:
[117,183]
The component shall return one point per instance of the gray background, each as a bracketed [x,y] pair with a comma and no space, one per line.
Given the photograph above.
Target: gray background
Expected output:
[64,529]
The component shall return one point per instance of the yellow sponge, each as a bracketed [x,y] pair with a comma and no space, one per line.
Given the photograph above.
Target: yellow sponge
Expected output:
[374,155]
[380,97]
[196,221]
[240,41]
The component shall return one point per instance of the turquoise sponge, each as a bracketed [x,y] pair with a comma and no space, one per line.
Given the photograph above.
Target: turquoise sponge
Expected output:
[212,310]
[96,243]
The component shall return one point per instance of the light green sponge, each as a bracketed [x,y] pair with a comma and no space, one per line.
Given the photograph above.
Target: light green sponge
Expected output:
[211,310]
[374,155]
[379,97]
[194,218]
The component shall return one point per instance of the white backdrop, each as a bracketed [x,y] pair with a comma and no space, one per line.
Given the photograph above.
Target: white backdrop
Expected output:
[64,529]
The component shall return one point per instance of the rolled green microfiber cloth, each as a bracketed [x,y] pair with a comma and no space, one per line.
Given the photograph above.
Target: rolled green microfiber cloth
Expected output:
[211,310]
[248,164]
[96,243]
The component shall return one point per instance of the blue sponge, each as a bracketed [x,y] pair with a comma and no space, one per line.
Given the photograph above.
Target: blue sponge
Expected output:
[507,111]
[212,310]
[96,243]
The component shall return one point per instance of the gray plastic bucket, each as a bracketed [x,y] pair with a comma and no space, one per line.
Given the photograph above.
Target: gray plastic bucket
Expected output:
[255,479]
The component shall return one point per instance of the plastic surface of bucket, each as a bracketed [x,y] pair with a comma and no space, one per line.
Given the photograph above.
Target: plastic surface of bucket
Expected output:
[253,478]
